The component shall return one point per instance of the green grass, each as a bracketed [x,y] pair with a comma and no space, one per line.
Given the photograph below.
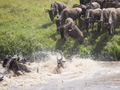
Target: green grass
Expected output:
[26,28]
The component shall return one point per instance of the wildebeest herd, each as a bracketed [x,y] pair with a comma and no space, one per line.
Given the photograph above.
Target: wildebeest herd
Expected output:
[102,12]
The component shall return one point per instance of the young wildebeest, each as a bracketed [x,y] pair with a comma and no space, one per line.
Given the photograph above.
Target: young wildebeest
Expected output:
[60,63]
[69,28]
[91,16]
[13,64]
[56,9]
[114,20]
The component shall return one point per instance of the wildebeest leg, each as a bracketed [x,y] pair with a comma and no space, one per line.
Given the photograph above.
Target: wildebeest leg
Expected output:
[110,29]
[16,71]
[87,24]
[99,26]
[114,28]
[79,22]
[92,25]
[62,34]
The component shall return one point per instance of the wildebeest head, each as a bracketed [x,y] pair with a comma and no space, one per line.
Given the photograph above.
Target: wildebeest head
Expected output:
[60,63]
[52,13]
[83,10]
[6,59]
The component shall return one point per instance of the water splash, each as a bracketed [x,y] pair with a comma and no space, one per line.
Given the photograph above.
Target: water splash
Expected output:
[44,70]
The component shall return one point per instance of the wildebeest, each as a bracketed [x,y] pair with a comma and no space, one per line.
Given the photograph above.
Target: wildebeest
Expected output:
[105,12]
[113,4]
[13,64]
[69,28]
[102,3]
[73,13]
[60,63]
[114,20]
[56,9]
[92,5]
[84,1]
[91,16]
[82,6]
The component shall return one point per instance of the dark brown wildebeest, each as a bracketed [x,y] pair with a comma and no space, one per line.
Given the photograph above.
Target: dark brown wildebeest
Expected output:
[113,4]
[69,28]
[101,2]
[114,20]
[13,64]
[105,12]
[56,9]
[91,16]
[84,1]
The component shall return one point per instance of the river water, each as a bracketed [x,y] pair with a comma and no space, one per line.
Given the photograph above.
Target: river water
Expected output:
[79,74]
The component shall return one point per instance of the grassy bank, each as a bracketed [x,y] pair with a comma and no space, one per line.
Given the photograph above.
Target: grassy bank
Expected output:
[25,28]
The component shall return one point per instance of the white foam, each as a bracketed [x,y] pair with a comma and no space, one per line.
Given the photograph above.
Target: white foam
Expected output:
[45,70]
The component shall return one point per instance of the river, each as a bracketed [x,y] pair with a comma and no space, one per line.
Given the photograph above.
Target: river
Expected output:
[79,74]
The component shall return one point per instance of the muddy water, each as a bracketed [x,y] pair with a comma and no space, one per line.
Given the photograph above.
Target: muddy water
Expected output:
[79,74]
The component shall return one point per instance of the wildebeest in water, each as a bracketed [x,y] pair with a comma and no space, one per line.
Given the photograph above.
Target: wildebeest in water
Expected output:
[14,65]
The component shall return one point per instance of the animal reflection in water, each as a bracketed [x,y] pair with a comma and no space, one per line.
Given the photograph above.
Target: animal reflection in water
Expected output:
[11,63]
[61,64]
